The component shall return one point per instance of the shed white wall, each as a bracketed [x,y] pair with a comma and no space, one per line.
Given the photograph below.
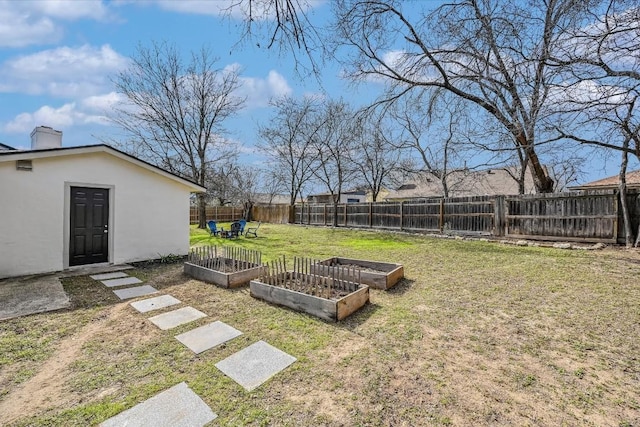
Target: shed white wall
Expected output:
[149,213]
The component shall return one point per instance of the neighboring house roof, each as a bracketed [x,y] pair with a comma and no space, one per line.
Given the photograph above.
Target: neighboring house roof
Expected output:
[12,155]
[611,182]
[352,192]
[5,147]
[462,183]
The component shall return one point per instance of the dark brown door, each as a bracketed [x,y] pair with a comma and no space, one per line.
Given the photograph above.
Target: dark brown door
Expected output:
[89,226]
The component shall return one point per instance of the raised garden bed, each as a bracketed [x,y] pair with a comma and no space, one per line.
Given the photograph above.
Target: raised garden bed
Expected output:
[378,275]
[225,266]
[329,298]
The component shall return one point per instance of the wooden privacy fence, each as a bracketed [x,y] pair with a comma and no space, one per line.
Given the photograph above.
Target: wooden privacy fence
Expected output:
[560,216]
[217,213]
[274,214]
[470,214]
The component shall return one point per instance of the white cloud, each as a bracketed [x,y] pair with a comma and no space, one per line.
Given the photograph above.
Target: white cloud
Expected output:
[48,116]
[69,9]
[22,29]
[24,23]
[88,111]
[259,91]
[260,9]
[102,103]
[64,72]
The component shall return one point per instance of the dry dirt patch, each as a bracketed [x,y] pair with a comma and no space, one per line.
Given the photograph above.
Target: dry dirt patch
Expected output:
[47,388]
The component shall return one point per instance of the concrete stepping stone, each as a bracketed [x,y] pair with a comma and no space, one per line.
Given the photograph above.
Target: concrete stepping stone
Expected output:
[208,336]
[177,317]
[156,303]
[255,364]
[137,291]
[121,281]
[105,276]
[177,406]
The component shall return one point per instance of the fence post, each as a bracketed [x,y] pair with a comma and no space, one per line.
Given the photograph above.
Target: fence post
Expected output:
[401,214]
[441,216]
[345,214]
[499,218]
[370,215]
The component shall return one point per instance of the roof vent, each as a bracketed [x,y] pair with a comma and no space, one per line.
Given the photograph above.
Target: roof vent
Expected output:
[44,137]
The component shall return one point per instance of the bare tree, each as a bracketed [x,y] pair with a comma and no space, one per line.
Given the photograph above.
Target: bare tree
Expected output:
[492,54]
[374,156]
[333,142]
[272,184]
[285,25]
[221,183]
[600,63]
[288,140]
[175,112]
[439,135]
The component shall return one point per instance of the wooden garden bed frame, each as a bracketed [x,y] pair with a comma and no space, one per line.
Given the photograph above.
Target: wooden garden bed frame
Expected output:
[386,276]
[304,291]
[207,263]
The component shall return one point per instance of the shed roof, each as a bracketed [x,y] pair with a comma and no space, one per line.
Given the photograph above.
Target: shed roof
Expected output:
[11,155]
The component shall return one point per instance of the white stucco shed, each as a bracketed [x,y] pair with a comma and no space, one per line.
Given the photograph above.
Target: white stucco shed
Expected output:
[61,207]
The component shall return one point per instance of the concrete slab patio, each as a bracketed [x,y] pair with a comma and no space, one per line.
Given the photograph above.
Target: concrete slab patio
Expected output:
[208,336]
[178,406]
[27,295]
[255,364]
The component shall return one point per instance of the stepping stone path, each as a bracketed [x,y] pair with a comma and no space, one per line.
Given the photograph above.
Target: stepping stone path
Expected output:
[208,336]
[176,318]
[137,291]
[105,276]
[255,364]
[112,283]
[179,406]
[156,303]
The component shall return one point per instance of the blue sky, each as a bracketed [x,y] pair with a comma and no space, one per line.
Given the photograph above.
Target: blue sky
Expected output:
[57,58]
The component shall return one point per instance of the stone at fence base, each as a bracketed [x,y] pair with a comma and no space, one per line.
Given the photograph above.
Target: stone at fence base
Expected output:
[522,243]
[598,246]
[562,245]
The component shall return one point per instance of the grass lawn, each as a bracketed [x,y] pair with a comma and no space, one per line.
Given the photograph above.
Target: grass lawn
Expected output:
[478,334]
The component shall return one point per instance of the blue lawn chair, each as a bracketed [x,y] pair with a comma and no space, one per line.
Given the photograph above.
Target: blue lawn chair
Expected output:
[243,223]
[213,229]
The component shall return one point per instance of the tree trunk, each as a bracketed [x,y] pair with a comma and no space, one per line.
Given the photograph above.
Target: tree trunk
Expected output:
[628,232]
[202,211]
[248,206]
[638,233]
[543,183]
